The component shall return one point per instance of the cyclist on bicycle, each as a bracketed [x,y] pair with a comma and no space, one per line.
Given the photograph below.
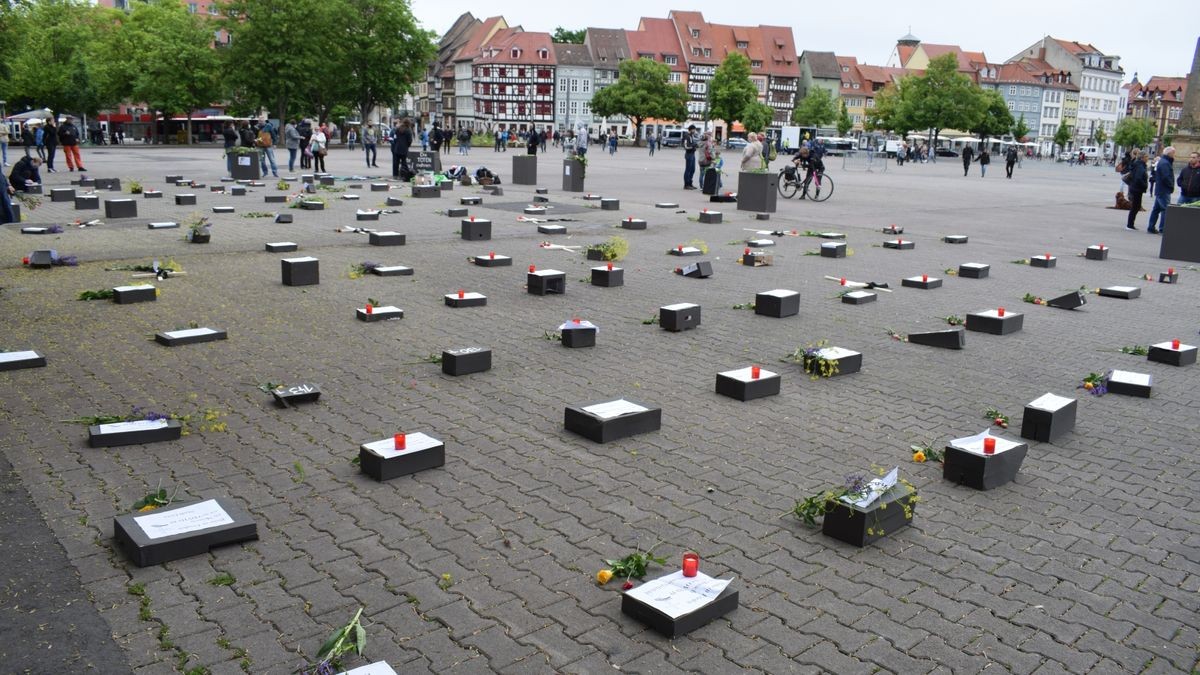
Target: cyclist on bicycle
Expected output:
[809,161]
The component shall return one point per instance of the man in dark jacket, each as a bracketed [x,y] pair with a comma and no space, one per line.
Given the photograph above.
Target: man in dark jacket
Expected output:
[1010,160]
[68,137]
[1164,185]
[402,140]
[25,172]
[1138,183]
[689,143]
[1189,180]
[968,152]
[51,141]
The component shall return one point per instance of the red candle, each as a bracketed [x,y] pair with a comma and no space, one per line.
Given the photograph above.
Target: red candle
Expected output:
[691,564]
[843,281]
[1047,256]
[1175,345]
[747,250]
[1101,247]
[989,446]
[399,441]
[755,372]
[461,294]
[704,210]
[899,242]
[532,268]
[1000,311]
[1170,270]
[472,219]
[492,255]
[369,308]
[609,267]
[575,320]
[924,278]
[680,248]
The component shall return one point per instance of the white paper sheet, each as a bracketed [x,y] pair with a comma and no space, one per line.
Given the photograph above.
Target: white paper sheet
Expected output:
[1050,402]
[974,444]
[190,332]
[877,486]
[5,357]
[570,325]
[386,448]
[137,425]
[1127,377]
[194,518]
[676,595]
[378,668]
[611,409]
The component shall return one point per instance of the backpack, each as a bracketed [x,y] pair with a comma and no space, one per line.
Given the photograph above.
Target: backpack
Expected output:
[247,137]
[772,154]
[265,140]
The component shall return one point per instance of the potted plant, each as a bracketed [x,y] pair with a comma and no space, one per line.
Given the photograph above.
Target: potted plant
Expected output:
[757,191]
[243,163]
[574,171]
[135,187]
[199,230]
[614,248]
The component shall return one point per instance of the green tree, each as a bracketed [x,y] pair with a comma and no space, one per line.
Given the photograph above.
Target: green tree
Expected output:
[731,90]
[1062,136]
[757,116]
[888,112]
[942,98]
[1020,130]
[844,123]
[574,37]
[1133,133]
[996,119]
[642,91]
[815,110]
[1101,136]
[385,52]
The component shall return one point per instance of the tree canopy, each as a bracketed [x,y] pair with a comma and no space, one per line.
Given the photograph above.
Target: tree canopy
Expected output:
[757,116]
[996,120]
[844,123]
[642,91]
[574,37]
[731,90]
[817,109]
[1020,130]
[1133,133]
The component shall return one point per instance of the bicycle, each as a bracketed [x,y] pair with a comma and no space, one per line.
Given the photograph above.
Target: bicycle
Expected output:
[790,183]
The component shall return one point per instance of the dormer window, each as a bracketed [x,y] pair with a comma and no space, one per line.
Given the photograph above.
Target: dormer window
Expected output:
[516,53]
[845,69]
[743,45]
[756,64]
[543,53]
[707,51]
[696,33]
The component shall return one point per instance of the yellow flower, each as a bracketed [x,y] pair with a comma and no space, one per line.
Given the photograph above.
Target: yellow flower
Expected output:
[918,456]
[148,507]
[603,577]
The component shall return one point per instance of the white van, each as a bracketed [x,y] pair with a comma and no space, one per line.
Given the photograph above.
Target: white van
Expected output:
[671,138]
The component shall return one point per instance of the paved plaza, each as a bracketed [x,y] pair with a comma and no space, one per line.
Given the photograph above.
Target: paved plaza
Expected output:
[1087,563]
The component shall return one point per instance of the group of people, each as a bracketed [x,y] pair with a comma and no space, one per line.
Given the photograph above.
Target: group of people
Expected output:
[1161,181]
[44,137]
[1011,156]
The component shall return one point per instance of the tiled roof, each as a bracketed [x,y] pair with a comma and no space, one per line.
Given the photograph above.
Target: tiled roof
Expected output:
[527,46]
[850,75]
[1077,48]
[823,65]
[779,51]
[572,55]
[905,52]
[1168,86]
[965,59]
[479,35]
[608,47]
[657,37]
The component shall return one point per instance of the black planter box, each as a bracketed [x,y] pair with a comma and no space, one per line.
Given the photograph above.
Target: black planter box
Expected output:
[1046,261]
[572,175]
[282,247]
[468,299]
[493,260]
[62,195]
[524,169]
[392,271]
[833,249]
[202,526]
[741,384]
[974,270]
[222,209]
[697,270]
[185,200]
[245,167]
[662,623]
[848,361]
[1123,292]
[623,419]
[366,214]
[380,187]
[382,461]
[1164,353]
[284,218]
[757,191]
[858,297]
[1181,241]
[552,229]
[304,271]
[633,224]
[1048,417]
[885,516]
[388,313]
[298,393]
[457,212]
[189,336]
[578,335]
[757,259]
[608,277]
[470,201]
[1128,383]
[1168,278]
[1069,301]
[925,284]
[682,250]
[948,338]
[678,317]
[86,203]
[1096,252]
[151,194]
[970,467]
[466,360]
[312,205]
[666,205]
[543,282]
[133,433]
[610,204]
[954,238]
[476,230]
[127,295]
[900,244]
[426,192]
[990,321]
[386,238]
[777,303]
[31,359]
[237,191]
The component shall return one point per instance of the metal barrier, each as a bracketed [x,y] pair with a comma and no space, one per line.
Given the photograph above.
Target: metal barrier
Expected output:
[862,160]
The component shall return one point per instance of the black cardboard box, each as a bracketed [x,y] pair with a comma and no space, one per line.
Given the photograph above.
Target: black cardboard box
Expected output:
[286,395]
[678,317]
[1164,352]
[182,530]
[924,282]
[990,321]
[304,271]
[466,360]
[189,336]
[133,433]
[386,313]
[968,465]
[17,360]
[127,295]
[742,385]
[476,229]
[544,282]
[974,270]
[664,624]
[861,526]
[608,276]
[382,461]
[386,238]
[777,303]
[606,421]
[465,299]
[1048,417]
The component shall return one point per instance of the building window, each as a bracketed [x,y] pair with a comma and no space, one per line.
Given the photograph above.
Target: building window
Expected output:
[574,108]
[574,85]
[516,53]
[695,51]
[856,85]
[707,51]
[585,107]
[586,85]
[562,85]
[845,69]
[1011,106]
[696,33]
[562,107]
[675,78]
[756,64]
[743,45]
[1012,90]
[543,53]
[192,7]
[671,60]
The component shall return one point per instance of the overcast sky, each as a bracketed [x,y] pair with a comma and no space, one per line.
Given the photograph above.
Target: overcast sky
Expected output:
[1150,39]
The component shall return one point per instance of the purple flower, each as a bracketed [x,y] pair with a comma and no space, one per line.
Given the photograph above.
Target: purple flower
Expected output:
[66,261]
[856,482]
[368,266]
[55,229]
[155,416]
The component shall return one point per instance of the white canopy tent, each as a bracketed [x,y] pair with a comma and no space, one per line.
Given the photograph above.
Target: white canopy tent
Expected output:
[43,114]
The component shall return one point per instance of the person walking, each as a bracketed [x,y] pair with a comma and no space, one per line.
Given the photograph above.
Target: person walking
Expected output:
[370,141]
[650,142]
[306,134]
[4,136]
[967,154]
[402,140]
[612,143]
[752,153]
[351,138]
[424,140]
[689,143]
[318,144]
[1189,181]
[985,158]
[1010,160]
[27,138]
[1164,184]
[39,142]
[291,141]
[51,140]
[1138,183]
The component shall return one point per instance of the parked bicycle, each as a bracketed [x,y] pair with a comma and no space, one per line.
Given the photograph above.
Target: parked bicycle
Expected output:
[818,187]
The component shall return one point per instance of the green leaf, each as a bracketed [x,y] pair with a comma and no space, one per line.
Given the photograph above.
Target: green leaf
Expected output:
[360,638]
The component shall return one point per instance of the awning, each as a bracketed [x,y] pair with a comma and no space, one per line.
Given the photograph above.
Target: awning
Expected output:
[44,113]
